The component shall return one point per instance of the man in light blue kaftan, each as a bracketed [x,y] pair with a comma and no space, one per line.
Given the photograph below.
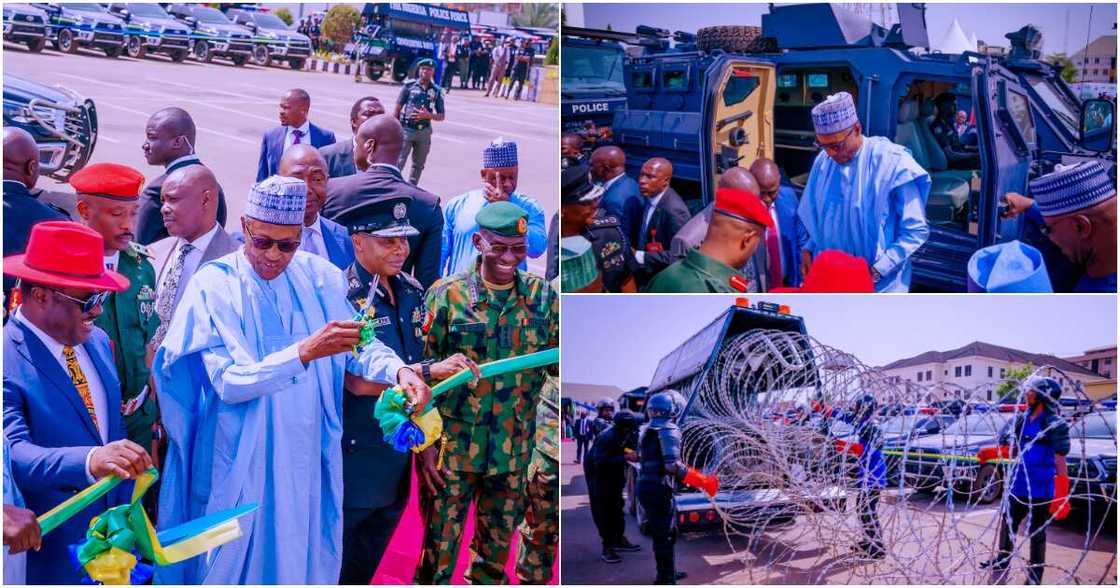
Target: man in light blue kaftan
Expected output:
[250,377]
[865,196]
[499,177]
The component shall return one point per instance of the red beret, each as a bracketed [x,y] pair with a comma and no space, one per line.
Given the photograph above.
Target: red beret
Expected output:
[834,271]
[743,205]
[109,180]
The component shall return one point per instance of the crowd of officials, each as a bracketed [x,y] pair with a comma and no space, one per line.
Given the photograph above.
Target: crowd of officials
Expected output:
[152,330]
[855,227]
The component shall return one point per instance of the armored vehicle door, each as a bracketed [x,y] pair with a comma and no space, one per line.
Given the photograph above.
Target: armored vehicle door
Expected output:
[738,117]
[1008,146]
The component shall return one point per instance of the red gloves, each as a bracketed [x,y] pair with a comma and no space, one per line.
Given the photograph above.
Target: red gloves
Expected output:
[852,448]
[1060,506]
[987,454]
[708,483]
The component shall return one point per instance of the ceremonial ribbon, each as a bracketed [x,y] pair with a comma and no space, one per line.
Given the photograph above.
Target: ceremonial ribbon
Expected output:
[404,430]
[114,536]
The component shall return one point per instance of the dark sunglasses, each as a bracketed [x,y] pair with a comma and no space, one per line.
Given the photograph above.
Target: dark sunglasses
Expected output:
[95,300]
[266,243]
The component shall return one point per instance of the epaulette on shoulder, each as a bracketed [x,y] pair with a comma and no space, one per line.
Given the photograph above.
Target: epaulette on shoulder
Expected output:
[408,279]
[605,221]
[137,250]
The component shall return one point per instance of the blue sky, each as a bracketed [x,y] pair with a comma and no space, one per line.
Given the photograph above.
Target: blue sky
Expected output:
[988,21]
[618,340]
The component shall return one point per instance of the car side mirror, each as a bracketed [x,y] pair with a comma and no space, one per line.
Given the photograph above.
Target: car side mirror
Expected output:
[1097,124]
[192,21]
[252,26]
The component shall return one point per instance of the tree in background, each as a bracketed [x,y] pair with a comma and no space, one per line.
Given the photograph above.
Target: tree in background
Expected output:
[285,15]
[553,55]
[1008,389]
[339,24]
[537,15]
[1069,71]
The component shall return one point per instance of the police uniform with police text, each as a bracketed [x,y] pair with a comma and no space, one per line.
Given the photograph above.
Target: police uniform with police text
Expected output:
[375,477]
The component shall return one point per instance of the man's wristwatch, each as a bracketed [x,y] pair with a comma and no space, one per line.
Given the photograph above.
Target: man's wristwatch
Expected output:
[426,369]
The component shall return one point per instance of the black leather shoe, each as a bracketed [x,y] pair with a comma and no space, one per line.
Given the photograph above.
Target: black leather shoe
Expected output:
[610,556]
[627,546]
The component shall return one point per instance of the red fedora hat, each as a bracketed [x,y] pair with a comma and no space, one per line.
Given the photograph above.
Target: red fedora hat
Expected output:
[65,254]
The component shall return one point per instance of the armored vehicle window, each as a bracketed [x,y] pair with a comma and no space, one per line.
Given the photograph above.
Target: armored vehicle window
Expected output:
[674,80]
[1019,108]
[817,80]
[641,79]
[592,68]
[1064,112]
[787,81]
[738,88]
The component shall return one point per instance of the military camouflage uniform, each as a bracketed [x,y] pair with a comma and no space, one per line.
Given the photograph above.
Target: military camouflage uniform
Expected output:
[130,320]
[488,430]
[541,528]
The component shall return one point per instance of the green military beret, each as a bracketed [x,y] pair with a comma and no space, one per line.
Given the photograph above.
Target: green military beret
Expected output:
[577,264]
[504,218]
[425,63]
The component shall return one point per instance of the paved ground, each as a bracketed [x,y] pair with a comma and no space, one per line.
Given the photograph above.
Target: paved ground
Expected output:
[793,558]
[233,106]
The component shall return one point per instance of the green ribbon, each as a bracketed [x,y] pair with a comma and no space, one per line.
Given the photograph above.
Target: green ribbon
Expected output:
[111,528]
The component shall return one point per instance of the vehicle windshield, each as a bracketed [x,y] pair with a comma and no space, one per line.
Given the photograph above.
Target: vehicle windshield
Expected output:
[1065,111]
[590,69]
[900,424]
[841,429]
[210,15]
[978,424]
[1096,425]
[148,10]
[269,21]
[83,7]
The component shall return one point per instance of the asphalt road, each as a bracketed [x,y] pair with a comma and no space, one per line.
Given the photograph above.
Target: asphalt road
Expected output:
[785,555]
[233,106]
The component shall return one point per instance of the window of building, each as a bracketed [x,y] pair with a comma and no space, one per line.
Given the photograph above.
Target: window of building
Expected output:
[957,372]
[990,370]
[1002,373]
[919,376]
[967,371]
[1108,361]
[929,375]
[1096,60]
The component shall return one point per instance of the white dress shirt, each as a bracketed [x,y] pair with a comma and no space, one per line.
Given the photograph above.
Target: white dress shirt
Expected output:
[640,256]
[190,264]
[607,184]
[113,261]
[187,157]
[312,239]
[289,138]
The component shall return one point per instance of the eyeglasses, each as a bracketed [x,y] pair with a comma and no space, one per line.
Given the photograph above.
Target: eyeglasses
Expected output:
[835,146]
[266,243]
[1047,228]
[500,250]
[95,300]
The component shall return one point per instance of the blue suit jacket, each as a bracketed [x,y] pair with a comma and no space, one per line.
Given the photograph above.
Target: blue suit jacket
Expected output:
[340,249]
[792,233]
[272,147]
[624,201]
[50,433]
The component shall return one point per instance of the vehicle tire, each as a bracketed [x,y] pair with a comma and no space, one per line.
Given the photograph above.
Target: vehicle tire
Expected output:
[239,60]
[400,70]
[113,52]
[988,485]
[732,39]
[373,73]
[179,55]
[66,41]
[261,56]
[201,51]
[37,45]
[136,48]
[297,64]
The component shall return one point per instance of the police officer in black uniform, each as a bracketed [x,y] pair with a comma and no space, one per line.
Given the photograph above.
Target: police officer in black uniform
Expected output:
[604,417]
[604,469]
[375,476]
[580,215]
[661,467]
[945,132]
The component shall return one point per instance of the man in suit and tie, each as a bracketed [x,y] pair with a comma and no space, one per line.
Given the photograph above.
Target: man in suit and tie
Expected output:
[190,213]
[62,398]
[321,235]
[621,197]
[294,129]
[170,142]
[340,154]
[662,216]
[785,240]
[378,146]
[22,210]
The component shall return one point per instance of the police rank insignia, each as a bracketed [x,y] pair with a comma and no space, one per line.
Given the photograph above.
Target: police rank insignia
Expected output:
[400,211]
[146,298]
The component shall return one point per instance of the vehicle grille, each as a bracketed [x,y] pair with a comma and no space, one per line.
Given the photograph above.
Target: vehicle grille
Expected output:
[29,29]
[241,46]
[109,37]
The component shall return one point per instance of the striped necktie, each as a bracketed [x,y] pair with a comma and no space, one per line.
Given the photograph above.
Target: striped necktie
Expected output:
[80,382]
